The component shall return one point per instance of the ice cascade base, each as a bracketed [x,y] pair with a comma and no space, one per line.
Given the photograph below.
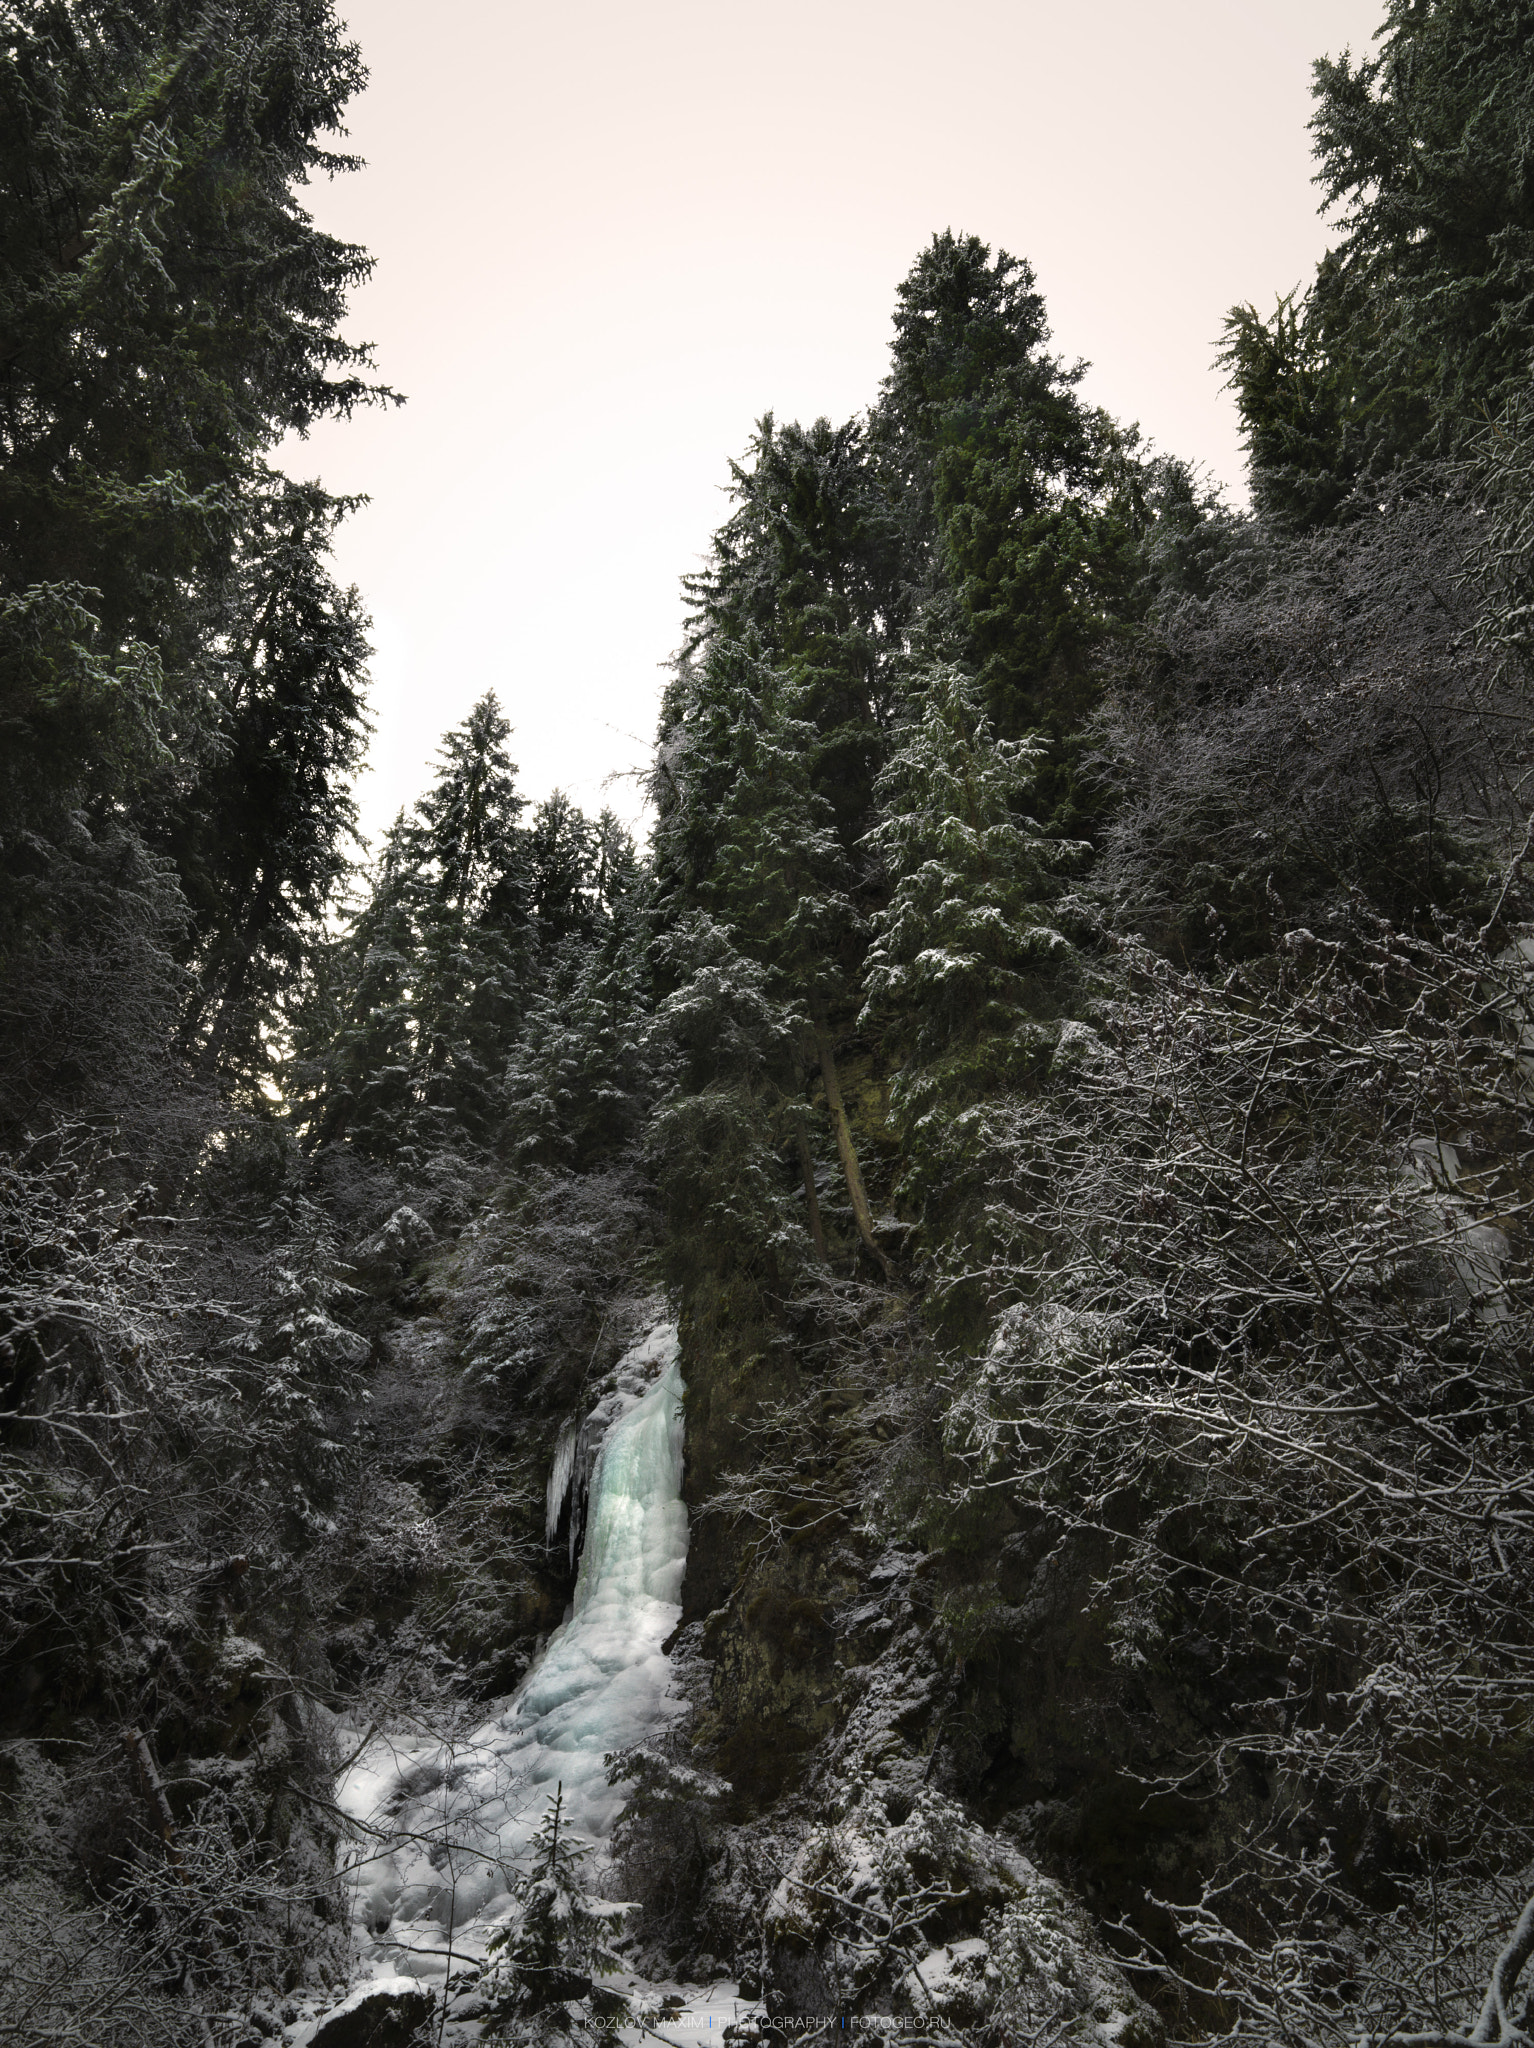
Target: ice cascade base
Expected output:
[453,1819]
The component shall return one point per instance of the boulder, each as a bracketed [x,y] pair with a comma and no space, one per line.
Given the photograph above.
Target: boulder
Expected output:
[393,2012]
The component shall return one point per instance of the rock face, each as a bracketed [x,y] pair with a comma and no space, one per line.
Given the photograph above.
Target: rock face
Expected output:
[392,2013]
[899,1728]
[898,1903]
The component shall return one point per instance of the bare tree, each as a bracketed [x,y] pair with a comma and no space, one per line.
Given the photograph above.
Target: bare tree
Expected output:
[1270,1351]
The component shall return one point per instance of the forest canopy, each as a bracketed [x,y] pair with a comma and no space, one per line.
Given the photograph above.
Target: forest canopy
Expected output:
[1062,1054]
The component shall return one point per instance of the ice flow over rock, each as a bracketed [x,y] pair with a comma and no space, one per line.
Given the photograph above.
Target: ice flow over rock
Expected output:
[452,1820]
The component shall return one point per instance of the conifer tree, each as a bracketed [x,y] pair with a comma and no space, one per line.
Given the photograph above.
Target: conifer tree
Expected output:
[956,947]
[354,1032]
[779,876]
[1023,506]
[170,311]
[402,1039]
[615,865]
[260,838]
[471,917]
[725,1040]
[561,856]
[559,1939]
[809,568]
[580,1076]
[1420,318]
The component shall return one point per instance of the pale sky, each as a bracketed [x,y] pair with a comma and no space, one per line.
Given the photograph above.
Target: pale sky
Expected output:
[610,236]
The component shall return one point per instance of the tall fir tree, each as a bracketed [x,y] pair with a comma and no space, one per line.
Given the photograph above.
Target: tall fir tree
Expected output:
[778,875]
[561,859]
[1420,318]
[809,568]
[170,312]
[401,1043]
[960,945]
[260,840]
[581,1076]
[353,1069]
[1024,507]
[472,929]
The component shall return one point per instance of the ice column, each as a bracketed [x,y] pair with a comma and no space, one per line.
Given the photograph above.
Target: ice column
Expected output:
[460,1815]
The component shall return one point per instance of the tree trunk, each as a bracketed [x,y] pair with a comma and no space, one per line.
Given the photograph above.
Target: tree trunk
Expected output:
[233,993]
[153,1788]
[223,1022]
[811,1199]
[844,1144]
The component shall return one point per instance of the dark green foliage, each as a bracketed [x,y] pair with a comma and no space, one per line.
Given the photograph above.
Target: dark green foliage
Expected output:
[966,966]
[1023,505]
[960,945]
[777,874]
[962,520]
[1422,315]
[1429,147]
[170,308]
[466,829]
[491,990]
[560,1937]
[353,1071]
[471,935]
[404,1030]
[561,850]
[90,990]
[1297,404]
[778,879]
[810,569]
[260,838]
[968,353]
[169,637]
[581,1076]
[716,1134]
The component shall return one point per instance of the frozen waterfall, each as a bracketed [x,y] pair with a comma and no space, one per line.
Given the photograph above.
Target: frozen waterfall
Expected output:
[450,1820]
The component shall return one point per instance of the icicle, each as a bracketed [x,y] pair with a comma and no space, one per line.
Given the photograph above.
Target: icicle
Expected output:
[561,1472]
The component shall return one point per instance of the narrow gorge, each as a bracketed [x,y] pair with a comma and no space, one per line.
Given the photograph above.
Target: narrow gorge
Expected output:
[895,1391]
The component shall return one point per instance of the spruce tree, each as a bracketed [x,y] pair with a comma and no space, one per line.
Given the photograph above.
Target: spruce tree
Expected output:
[580,1078]
[561,857]
[471,925]
[779,876]
[353,1072]
[1023,506]
[809,568]
[559,1938]
[725,1040]
[1420,318]
[958,947]
[260,839]
[170,312]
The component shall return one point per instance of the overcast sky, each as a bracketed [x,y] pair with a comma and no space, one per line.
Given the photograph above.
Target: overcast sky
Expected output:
[609,237]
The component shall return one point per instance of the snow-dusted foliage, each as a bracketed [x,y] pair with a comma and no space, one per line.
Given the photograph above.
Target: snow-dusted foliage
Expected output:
[958,950]
[1272,1374]
[861,1913]
[1057,1084]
